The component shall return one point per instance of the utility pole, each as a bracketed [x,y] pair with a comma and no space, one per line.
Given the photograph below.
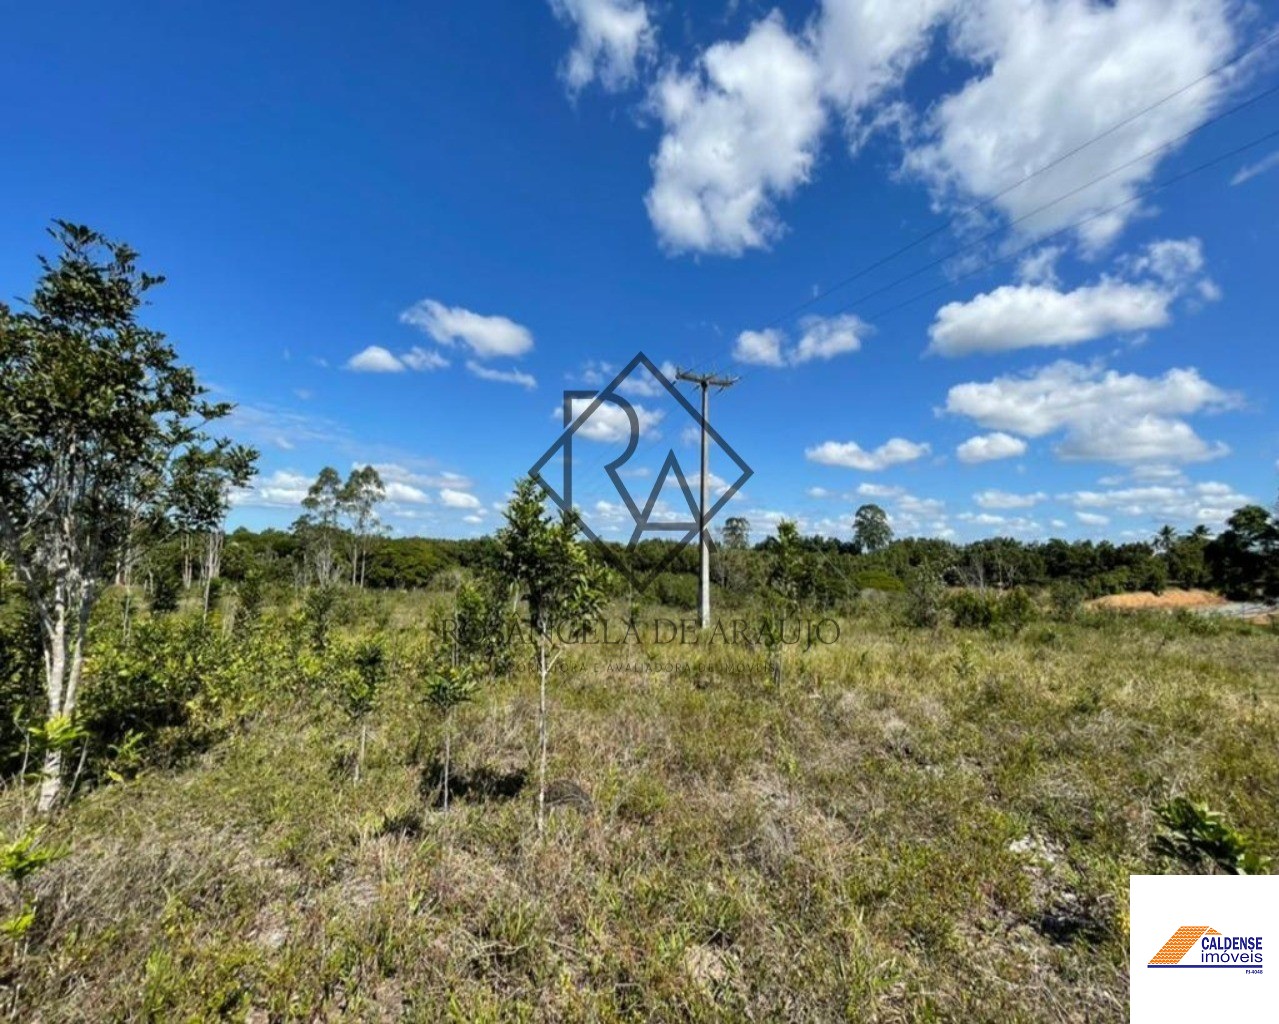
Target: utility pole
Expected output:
[705,381]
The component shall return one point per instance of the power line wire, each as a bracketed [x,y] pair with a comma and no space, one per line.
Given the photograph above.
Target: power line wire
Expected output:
[995,261]
[1080,223]
[843,283]
[650,444]
[1064,196]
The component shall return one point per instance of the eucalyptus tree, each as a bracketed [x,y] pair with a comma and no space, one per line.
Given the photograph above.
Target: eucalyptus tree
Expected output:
[95,410]
[736,535]
[320,525]
[359,498]
[550,570]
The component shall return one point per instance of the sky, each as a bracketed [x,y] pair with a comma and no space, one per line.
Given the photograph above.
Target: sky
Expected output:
[1003,267]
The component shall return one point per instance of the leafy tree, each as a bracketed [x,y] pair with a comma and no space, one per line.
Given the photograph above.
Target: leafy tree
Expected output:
[870,528]
[359,498]
[358,688]
[1245,558]
[736,535]
[1187,566]
[404,562]
[448,686]
[786,575]
[482,626]
[203,479]
[94,411]
[548,568]
[925,597]
[317,609]
[320,526]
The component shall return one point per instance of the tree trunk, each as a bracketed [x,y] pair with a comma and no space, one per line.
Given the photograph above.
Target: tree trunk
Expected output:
[448,752]
[359,760]
[55,664]
[50,781]
[541,730]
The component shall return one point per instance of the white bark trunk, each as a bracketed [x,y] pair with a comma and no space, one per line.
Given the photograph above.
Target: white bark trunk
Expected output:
[448,752]
[50,781]
[542,669]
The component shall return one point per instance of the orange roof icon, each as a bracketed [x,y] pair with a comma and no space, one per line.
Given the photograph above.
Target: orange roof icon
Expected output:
[1182,940]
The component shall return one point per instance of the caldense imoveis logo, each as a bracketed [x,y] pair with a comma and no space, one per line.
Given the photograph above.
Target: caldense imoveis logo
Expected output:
[1197,945]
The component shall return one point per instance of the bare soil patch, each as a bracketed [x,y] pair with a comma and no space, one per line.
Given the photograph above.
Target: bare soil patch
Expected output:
[1170,598]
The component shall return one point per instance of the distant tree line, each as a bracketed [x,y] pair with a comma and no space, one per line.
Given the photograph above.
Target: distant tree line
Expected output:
[1242,561]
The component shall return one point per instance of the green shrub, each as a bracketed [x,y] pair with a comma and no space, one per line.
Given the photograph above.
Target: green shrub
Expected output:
[22,697]
[986,610]
[973,610]
[1016,609]
[1193,834]
[320,605]
[925,598]
[878,579]
[166,590]
[20,859]
[249,601]
[675,590]
[483,625]
[1067,598]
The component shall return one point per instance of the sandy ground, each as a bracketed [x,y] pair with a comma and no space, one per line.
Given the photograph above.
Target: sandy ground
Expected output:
[1203,602]
[1170,598]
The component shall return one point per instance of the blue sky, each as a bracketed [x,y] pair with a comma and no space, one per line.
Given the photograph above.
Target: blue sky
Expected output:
[346,197]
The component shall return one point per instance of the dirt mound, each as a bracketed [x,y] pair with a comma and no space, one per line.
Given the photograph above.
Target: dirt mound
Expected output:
[1170,598]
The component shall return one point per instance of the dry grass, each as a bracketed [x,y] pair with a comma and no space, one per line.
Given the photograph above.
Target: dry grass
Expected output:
[918,826]
[1144,600]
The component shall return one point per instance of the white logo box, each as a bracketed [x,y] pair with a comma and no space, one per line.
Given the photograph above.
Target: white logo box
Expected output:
[1239,977]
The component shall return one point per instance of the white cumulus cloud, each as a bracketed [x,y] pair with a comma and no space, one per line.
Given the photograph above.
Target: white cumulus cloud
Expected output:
[1055,74]
[1004,499]
[740,131]
[452,498]
[988,447]
[486,336]
[1031,316]
[851,455]
[864,49]
[614,39]
[763,348]
[609,422]
[821,338]
[1040,315]
[375,359]
[1105,415]
[418,358]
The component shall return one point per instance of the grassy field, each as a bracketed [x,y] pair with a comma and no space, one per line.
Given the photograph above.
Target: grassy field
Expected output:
[914,825]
